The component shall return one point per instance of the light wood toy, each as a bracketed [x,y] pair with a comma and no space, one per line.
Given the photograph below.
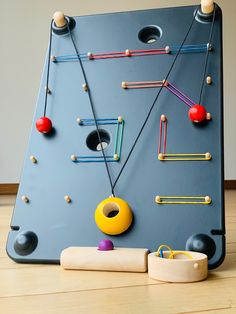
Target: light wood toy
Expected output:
[59,19]
[119,259]
[207,6]
[178,266]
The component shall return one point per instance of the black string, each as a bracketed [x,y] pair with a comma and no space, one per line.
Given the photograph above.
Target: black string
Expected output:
[207,55]
[48,70]
[93,109]
[155,100]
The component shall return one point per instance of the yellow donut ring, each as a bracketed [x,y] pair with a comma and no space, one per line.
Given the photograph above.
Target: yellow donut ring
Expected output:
[118,223]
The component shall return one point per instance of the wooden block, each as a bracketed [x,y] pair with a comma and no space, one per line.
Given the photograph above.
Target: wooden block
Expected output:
[207,6]
[179,269]
[119,259]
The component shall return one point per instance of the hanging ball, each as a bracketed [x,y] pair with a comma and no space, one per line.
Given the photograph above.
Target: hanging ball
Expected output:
[197,113]
[105,245]
[44,125]
[113,216]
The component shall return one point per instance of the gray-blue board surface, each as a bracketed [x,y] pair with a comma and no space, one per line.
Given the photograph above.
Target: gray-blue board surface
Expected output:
[58,224]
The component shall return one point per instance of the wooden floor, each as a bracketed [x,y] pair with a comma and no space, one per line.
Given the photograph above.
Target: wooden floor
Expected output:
[48,289]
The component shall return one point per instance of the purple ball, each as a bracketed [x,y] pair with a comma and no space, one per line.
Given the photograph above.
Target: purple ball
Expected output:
[105,245]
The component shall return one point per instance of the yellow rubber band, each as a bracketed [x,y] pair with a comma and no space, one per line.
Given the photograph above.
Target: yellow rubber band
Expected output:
[173,253]
[184,157]
[186,200]
[176,156]
[162,246]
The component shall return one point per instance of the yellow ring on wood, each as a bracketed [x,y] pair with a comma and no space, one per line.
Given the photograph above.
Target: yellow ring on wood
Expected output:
[118,223]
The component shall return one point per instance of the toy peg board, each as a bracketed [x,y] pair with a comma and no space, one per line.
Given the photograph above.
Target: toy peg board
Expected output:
[64,178]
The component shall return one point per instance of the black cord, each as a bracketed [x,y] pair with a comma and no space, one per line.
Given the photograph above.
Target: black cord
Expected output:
[48,70]
[207,55]
[155,100]
[93,109]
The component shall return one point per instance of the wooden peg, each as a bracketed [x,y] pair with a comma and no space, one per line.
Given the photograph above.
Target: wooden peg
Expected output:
[53,58]
[208,116]
[73,157]
[59,19]
[90,55]
[78,120]
[208,199]
[163,118]
[209,80]
[165,83]
[85,87]
[207,6]
[25,199]
[115,157]
[127,53]
[123,85]
[120,119]
[33,159]
[67,198]
[160,156]
[167,49]
[47,89]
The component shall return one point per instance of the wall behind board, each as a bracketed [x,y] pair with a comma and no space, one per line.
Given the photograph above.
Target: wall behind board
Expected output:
[24,36]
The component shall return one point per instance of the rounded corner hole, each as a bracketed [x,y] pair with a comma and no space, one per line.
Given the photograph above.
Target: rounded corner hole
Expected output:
[150,34]
[94,143]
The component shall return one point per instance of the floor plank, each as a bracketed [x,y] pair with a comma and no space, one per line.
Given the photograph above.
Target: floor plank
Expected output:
[166,298]
[27,288]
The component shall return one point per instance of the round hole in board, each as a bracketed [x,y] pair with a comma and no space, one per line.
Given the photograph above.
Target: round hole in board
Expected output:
[93,142]
[150,34]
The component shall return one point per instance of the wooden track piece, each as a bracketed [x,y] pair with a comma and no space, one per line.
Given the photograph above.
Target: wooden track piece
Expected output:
[179,269]
[119,259]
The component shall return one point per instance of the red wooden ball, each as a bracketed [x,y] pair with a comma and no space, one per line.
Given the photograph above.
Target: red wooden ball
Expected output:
[197,113]
[44,125]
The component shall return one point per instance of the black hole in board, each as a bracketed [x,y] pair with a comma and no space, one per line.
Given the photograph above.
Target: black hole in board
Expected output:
[93,142]
[150,34]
